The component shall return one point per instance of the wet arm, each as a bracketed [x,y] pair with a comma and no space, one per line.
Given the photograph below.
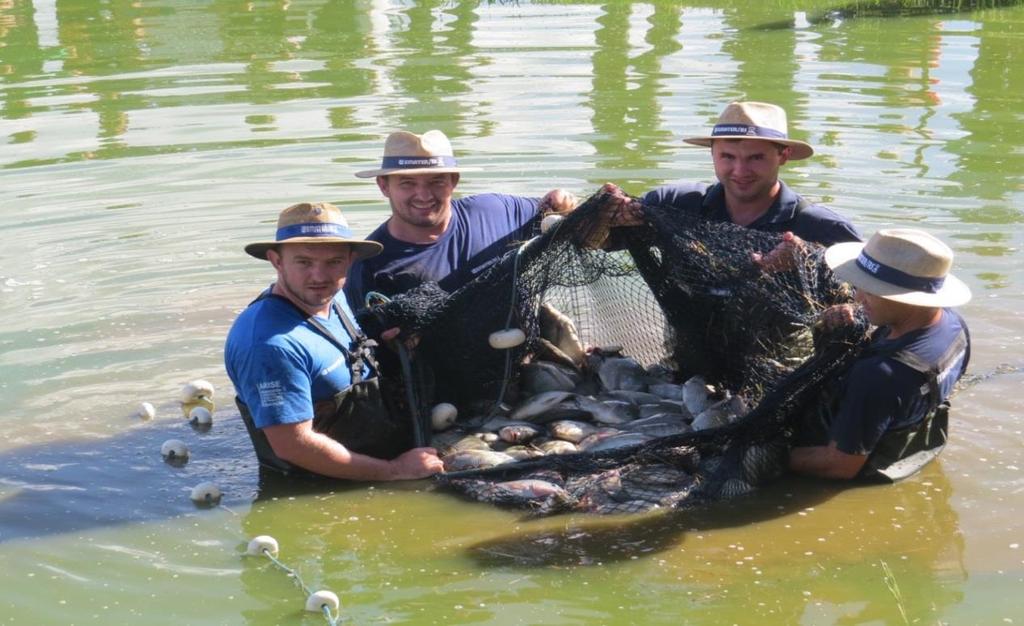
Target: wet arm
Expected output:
[300,445]
[825,462]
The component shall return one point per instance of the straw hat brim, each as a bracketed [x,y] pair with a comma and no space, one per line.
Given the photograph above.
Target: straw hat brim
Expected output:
[799,150]
[361,248]
[842,258]
[414,171]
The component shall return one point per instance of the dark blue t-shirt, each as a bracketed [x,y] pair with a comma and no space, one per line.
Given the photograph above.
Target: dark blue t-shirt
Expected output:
[811,222]
[882,394]
[482,228]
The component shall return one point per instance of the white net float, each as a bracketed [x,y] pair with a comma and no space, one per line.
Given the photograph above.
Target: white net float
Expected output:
[319,599]
[201,401]
[205,493]
[200,415]
[505,339]
[174,449]
[146,411]
[262,543]
[443,415]
[195,389]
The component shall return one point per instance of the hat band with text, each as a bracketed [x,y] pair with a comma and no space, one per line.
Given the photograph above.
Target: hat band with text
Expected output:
[313,229]
[747,130]
[893,276]
[407,162]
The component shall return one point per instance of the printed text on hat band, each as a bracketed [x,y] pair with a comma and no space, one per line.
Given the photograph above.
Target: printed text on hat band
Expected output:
[314,229]
[897,277]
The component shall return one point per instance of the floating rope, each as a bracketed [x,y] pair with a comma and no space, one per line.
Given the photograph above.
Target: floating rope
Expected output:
[321,601]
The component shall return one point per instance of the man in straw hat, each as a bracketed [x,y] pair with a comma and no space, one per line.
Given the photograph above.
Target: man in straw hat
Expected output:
[430,236]
[749,143]
[887,416]
[303,371]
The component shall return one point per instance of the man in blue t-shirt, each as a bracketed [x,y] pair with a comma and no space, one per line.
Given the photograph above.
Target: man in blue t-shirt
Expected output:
[430,236]
[748,145]
[302,372]
[888,417]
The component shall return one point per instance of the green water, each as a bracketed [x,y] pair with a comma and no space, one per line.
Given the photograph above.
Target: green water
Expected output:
[144,143]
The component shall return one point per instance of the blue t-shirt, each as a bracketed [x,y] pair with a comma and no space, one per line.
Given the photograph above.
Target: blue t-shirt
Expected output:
[281,365]
[881,394]
[482,228]
[812,222]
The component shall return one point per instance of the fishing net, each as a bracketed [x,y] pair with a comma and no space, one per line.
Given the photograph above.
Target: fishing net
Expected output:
[691,364]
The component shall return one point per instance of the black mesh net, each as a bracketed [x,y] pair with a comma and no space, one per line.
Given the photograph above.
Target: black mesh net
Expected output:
[647,366]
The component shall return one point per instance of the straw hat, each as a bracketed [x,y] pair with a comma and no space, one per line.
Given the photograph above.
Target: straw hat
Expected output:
[409,153]
[900,264]
[754,120]
[314,223]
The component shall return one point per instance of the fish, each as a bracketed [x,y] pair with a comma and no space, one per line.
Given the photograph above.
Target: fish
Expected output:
[519,433]
[523,452]
[622,374]
[559,329]
[539,404]
[635,397]
[557,446]
[661,425]
[720,413]
[667,391]
[529,489]
[696,395]
[571,430]
[542,376]
[664,406]
[475,459]
[615,442]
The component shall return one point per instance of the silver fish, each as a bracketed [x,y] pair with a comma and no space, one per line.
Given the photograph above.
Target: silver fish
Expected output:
[665,406]
[571,430]
[523,452]
[636,397]
[475,459]
[539,404]
[661,425]
[719,414]
[620,373]
[528,488]
[615,442]
[519,433]
[557,446]
[668,391]
[611,412]
[542,376]
[696,395]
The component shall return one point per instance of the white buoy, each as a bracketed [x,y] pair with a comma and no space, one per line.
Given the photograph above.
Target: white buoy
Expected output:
[200,415]
[319,599]
[146,411]
[203,401]
[205,493]
[262,543]
[549,221]
[174,449]
[443,415]
[195,389]
[505,339]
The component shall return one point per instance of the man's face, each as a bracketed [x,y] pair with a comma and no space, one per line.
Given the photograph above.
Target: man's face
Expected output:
[311,274]
[420,200]
[748,168]
[879,311]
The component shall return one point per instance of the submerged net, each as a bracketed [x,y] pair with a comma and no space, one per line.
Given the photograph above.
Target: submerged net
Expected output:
[675,366]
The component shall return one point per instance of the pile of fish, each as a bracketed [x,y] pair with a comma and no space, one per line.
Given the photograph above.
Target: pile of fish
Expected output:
[614,402]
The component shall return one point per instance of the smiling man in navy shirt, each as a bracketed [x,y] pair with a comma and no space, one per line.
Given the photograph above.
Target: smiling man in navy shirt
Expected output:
[430,236]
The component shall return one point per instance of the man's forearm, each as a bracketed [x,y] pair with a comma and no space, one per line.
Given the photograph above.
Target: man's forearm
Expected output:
[825,462]
[300,445]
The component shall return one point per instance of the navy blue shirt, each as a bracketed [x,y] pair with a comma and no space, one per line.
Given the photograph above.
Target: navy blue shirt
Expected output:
[882,394]
[482,228]
[811,222]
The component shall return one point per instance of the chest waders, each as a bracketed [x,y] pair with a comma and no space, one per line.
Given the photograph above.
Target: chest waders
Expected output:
[359,417]
[900,452]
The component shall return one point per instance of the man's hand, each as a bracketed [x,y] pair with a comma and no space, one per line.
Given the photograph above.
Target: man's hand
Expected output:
[624,211]
[417,463]
[392,334]
[558,201]
[784,256]
[839,315]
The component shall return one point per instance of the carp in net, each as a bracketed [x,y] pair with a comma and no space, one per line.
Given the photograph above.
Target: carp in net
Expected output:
[639,367]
